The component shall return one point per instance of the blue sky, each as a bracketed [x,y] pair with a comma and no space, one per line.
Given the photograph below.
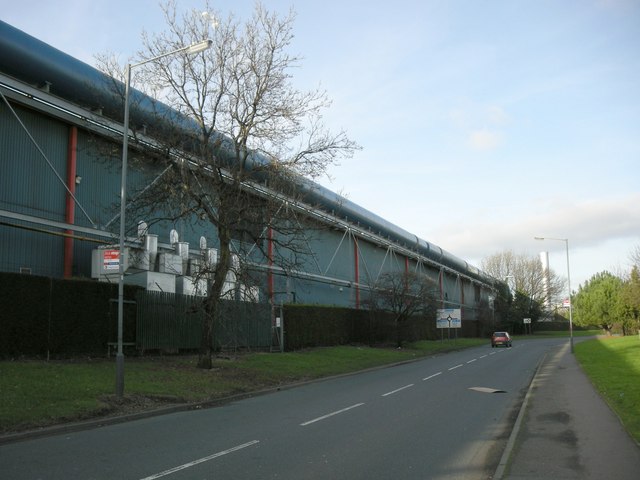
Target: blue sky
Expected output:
[483,123]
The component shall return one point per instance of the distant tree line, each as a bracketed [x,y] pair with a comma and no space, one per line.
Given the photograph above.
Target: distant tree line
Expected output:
[609,301]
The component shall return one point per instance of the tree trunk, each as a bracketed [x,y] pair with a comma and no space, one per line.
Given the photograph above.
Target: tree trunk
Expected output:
[213,300]
[206,351]
[399,332]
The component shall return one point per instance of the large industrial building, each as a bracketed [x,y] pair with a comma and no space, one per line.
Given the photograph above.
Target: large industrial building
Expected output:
[59,199]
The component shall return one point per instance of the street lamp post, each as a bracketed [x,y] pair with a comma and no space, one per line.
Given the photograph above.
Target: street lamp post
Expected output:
[566,243]
[506,279]
[190,49]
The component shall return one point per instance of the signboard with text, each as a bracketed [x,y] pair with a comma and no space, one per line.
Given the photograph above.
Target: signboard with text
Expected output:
[449,318]
[111,260]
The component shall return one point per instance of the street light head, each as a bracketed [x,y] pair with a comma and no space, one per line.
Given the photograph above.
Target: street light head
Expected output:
[199,47]
[552,238]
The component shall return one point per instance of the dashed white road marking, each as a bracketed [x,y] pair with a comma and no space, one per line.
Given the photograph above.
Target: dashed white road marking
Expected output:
[330,414]
[200,460]
[397,390]
[309,422]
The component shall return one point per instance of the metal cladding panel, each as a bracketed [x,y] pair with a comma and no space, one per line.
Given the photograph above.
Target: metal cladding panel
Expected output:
[37,252]
[451,289]
[310,292]
[341,207]
[334,253]
[376,261]
[27,182]
[99,164]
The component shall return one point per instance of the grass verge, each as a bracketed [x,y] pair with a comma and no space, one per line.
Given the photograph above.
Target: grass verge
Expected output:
[613,365]
[37,393]
[561,334]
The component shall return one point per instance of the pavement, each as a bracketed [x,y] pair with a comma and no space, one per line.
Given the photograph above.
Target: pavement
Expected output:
[565,430]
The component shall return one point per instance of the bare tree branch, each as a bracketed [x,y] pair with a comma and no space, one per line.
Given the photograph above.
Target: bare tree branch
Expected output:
[250,127]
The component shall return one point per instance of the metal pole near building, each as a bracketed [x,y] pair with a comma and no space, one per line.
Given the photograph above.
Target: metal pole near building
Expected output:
[190,49]
[566,244]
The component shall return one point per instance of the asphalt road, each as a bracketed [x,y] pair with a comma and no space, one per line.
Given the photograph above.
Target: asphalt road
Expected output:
[435,418]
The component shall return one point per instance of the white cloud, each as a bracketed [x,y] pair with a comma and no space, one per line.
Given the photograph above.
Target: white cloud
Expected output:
[485,139]
[497,115]
[601,233]
[587,224]
[479,124]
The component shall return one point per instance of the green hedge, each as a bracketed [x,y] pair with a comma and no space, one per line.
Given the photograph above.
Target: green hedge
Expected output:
[40,316]
[315,325]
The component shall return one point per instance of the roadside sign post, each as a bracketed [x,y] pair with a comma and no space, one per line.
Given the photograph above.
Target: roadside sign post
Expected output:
[448,318]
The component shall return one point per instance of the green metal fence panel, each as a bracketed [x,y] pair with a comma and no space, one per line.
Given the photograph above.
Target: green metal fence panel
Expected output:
[167,321]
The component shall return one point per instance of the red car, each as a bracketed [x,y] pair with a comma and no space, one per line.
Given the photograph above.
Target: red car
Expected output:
[500,338]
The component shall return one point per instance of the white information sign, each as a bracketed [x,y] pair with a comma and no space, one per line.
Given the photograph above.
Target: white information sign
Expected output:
[449,318]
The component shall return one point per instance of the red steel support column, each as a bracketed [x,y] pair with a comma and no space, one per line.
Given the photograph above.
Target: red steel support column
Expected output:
[70,208]
[461,295]
[441,281]
[357,270]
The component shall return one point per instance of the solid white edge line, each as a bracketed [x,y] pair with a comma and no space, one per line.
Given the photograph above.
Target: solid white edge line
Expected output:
[397,390]
[200,460]
[457,366]
[431,376]
[330,414]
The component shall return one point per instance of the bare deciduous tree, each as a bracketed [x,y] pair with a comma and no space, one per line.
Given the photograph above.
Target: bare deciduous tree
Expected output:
[404,294]
[250,139]
[634,256]
[525,274]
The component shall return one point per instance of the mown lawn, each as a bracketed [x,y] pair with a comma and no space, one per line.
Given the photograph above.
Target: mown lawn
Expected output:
[561,334]
[38,393]
[613,365]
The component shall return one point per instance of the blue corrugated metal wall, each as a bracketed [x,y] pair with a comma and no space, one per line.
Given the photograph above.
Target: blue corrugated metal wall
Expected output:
[29,186]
